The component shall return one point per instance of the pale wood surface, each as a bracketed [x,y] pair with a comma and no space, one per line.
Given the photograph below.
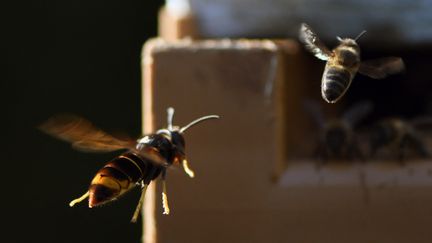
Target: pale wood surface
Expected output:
[149,231]
[173,27]
[232,198]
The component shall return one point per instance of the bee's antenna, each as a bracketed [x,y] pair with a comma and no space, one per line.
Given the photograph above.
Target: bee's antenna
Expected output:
[198,121]
[170,112]
[360,35]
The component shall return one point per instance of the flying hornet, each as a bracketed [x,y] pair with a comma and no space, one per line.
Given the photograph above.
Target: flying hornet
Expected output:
[145,159]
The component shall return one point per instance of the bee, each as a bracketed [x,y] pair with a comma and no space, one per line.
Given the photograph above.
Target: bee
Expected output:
[343,62]
[145,159]
[337,139]
[398,135]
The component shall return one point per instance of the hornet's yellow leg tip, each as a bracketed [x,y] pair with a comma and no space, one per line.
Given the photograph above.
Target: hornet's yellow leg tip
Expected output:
[165,204]
[165,199]
[78,200]
[188,170]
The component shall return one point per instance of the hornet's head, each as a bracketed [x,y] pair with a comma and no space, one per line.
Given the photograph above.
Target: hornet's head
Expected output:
[175,134]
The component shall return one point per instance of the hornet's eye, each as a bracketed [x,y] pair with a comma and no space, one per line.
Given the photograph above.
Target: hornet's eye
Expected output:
[178,141]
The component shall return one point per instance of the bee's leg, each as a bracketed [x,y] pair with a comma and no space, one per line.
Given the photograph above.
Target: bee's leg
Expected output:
[321,155]
[363,185]
[164,194]
[356,151]
[401,150]
[419,145]
[140,202]
[78,200]
[373,151]
[187,169]
[350,153]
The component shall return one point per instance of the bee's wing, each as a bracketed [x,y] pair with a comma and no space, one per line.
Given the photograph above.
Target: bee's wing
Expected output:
[382,67]
[357,112]
[315,111]
[424,122]
[313,43]
[83,135]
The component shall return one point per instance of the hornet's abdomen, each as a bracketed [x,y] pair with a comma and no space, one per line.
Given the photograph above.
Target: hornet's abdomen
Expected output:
[335,82]
[119,175]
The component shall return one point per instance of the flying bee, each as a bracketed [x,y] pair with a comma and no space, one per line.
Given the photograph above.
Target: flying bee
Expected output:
[337,139]
[343,62]
[145,159]
[397,136]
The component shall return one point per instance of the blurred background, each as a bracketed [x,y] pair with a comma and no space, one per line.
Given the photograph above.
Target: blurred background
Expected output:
[83,57]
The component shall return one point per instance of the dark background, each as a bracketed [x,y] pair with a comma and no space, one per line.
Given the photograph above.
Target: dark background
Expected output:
[81,57]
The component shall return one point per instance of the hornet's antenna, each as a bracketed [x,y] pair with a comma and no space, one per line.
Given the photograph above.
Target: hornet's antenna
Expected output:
[198,121]
[170,112]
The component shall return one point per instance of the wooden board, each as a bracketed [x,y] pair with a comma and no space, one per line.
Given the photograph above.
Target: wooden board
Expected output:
[233,197]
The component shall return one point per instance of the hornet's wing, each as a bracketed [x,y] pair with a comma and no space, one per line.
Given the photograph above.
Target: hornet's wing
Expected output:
[83,135]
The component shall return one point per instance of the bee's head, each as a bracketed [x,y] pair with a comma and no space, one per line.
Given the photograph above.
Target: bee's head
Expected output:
[382,134]
[348,52]
[175,133]
[349,41]
[337,133]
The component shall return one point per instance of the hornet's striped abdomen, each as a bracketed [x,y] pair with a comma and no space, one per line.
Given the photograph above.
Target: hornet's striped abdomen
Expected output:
[120,175]
[335,82]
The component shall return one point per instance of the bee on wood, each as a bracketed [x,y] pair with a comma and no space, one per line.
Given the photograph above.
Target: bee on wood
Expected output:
[337,139]
[397,136]
[343,62]
[145,159]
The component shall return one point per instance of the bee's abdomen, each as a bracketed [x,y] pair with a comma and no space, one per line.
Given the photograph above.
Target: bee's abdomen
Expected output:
[335,82]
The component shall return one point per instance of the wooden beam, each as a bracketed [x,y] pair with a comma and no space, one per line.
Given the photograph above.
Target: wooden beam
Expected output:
[149,232]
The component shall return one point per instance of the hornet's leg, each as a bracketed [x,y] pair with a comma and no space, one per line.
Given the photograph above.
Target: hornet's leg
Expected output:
[164,194]
[187,169]
[140,202]
[78,200]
